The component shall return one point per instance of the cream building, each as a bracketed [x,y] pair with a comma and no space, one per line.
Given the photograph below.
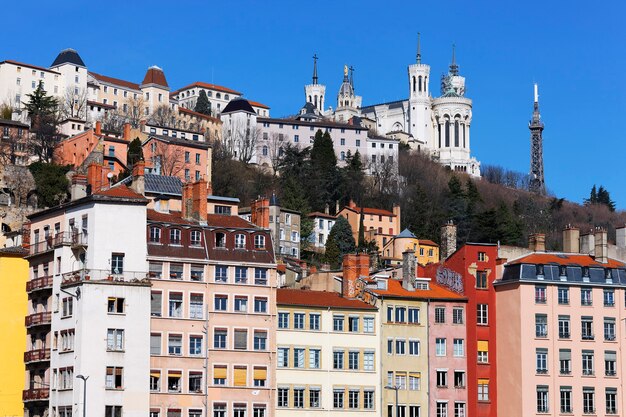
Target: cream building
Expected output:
[328,361]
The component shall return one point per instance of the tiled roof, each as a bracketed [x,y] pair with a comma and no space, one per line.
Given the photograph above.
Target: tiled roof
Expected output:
[394,289]
[155,75]
[317,123]
[120,191]
[162,184]
[320,214]
[178,141]
[115,81]
[207,86]
[195,113]
[371,210]
[13,251]
[427,242]
[257,104]
[13,123]
[566,259]
[21,64]
[213,220]
[95,103]
[308,298]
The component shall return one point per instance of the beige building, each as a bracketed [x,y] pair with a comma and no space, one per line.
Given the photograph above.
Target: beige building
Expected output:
[328,361]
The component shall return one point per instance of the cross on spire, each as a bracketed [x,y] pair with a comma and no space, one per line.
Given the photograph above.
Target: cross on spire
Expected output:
[315,68]
[454,68]
[351,76]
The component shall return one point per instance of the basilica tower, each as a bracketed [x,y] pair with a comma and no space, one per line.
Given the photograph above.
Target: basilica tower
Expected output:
[348,103]
[419,114]
[314,93]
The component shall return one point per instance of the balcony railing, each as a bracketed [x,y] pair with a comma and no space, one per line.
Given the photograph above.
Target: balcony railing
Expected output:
[38,319]
[73,238]
[102,275]
[41,283]
[35,394]
[37,355]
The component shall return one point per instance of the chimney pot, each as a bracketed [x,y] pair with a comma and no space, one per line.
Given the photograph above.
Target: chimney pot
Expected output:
[601,245]
[571,239]
[448,240]
[537,242]
[98,129]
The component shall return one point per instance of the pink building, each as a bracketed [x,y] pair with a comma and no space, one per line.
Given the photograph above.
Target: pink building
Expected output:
[559,334]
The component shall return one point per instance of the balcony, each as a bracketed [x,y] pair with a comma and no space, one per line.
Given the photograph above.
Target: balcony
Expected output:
[38,319]
[35,394]
[42,283]
[37,355]
[38,248]
[74,238]
[103,275]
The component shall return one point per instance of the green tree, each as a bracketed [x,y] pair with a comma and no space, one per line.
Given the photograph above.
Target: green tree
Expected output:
[42,110]
[294,198]
[134,153]
[51,183]
[340,242]
[593,196]
[322,180]
[605,198]
[352,179]
[203,105]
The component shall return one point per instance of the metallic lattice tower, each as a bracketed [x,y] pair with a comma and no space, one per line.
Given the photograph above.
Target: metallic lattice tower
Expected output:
[537,181]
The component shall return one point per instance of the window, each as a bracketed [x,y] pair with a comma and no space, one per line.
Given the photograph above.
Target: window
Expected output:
[338,359]
[155,234]
[541,325]
[483,390]
[400,347]
[368,399]
[566,399]
[414,381]
[457,315]
[241,275]
[459,347]
[540,294]
[259,376]
[241,339]
[115,339]
[240,241]
[482,256]
[481,280]
[298,357]
[283,320]
[115,305]
[298,320]
[220,302]
[155,270]
[338,398]
[155,380]
[587,327]
[113,411]
[241,304]
[67,307]
[176,271]
[66,378]
[459,379]
[220,240]
[353,399]
[117,263]
[589,403]
[565,361]
[440,346]
[283,397]
[195,238]
[459,410]
[259,242]
[610,366]
[195,384]
[338,323]
[196,306]
[260,305]
[240,376]
[221,273]
[197,273]
[414,347]
[368,361]
[155,344]
[195,345]
[219,410]
[542,398]
[611,400]
[260,276]
[414,315]
[187,156]
[609,298]
[440,314]
[564,327]
[542,361]
[298,397]
[175,344]
[563,295]
[587,359]
[283,357]
[260,340]
[482,314]
[176,305]
[314,321]
[609,328]
[114,377]
[314,358]
[353,324]
[175,236]
[442,378]
[353,360]
[585,296]
[483,351]
[400,314]
[441,410]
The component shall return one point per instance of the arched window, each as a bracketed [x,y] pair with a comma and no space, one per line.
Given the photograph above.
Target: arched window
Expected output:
[414,86]
[420,84]
[447,133]
[439,132]
[310,100]
[456,133]
[175,236]
[220,240]
[195,238]
[218,95]
[426,84]
[463,128]
[259,242]
[155,234]
[240,241]
[315,100]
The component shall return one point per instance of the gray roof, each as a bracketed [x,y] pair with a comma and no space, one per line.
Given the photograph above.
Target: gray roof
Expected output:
[406,233]
[161,184]
[238,104]
[70,56]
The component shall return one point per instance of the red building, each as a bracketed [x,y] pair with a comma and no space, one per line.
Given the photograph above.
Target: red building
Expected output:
[471,271]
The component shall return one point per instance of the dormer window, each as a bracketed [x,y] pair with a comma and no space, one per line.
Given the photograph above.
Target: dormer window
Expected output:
[175,236]
[259,242]
[195,238]
[220,240]
[240,241]
[539,270]
[155,234]
[608,276]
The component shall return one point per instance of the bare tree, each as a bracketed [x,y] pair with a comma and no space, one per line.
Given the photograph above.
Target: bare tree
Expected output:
[242,141]
[384,176]
[113,120]
[275,149]
[165,116]
[132,110]
[74,103]
[170,158]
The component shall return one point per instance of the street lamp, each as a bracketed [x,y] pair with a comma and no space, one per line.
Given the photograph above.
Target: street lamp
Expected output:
[85,378]
[395,388]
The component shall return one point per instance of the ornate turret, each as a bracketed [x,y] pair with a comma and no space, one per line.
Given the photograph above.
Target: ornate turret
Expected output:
[314,93]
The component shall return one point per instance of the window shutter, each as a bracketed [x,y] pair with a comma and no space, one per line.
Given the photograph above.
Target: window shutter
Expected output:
[241,337]
[483,346]
[565,354]
[155,344]
[240,377]
[219,372]
[260,373]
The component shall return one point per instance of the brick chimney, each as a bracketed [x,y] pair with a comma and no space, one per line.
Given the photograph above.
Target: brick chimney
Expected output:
[571,239]
[26,235]
[354,266]
[409,269]
[95,177]
[448,240]
[98,129]
[194,204]
[78,188]
[602,245]
[620,237]
[260,212]
[537,242]
[126,132]
[139,181]
[587,243]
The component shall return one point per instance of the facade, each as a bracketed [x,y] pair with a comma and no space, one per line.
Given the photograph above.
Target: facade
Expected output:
[425,250]
[322,225]
[14,143]
[559,334]
[380,225]
[13,277]
[328,360]
[218,97]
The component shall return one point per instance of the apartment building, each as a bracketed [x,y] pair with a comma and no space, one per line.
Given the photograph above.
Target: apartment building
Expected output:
[328,360]
[380,225]
[88,315]
[213,325]
[218,96]
[322,225]
[560,327]
[425,250]
[14,146]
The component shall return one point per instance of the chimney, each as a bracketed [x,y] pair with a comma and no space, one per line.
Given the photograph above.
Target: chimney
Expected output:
[26,235]
[98,130]
[587,244]
[194,204]
[620,237]
[209,188]
[571,239]
[537,242]
[139,181]
[95,177]
[126,132]
[396,211]
[326,209]
[354,267]
[336,206]
[260,212]
[351,204]
[409,269]
[601,245]
[79,186]
[448,240]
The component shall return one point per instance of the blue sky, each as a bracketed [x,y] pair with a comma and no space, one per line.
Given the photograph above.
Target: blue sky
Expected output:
[574,50]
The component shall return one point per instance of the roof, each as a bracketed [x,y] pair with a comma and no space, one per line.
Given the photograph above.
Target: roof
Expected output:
[406,233]
[115,81]
[120,191]
[21,64]
[13,251]
[308,298]
[390,104]
[95,103]
[178,141]
[162,184]
[320,214]
[257,104]
[320,123]
[13,123]
[155,75]
[427,242]
[238,104]
[207,86]
[213,220]
[567,259]
[370,210]
[395,289]
[68,56]
[195,113]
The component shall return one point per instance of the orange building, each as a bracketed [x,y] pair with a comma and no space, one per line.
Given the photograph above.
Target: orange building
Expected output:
[426,251]
[380,225]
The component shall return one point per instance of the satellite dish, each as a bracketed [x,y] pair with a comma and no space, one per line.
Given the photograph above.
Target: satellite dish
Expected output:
[110,175]
[255,392]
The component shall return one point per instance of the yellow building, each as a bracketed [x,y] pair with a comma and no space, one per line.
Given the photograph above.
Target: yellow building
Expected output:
[13,277]
[426,251]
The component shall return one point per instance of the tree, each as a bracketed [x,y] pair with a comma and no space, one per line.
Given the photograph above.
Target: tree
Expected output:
[42,110]
[241,140]
[340,242]
[203,105]
[51,183]
[134,153]
[164,116]
[275,150]
[323,178]
[294,198]
[74,103]
[600,196]
[169,158]
[352,179]
[6,111]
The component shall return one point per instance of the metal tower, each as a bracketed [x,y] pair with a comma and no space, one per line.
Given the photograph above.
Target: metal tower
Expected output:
[537,181]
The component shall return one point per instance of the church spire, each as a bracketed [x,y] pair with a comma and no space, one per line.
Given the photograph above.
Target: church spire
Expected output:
[314,69]
[454,68]
[351,76]
[418,56]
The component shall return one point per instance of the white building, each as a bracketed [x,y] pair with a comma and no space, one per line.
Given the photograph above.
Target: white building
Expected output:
[322,225]
[218,97]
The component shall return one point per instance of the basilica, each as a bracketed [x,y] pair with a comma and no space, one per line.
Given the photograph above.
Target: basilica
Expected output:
[439,126]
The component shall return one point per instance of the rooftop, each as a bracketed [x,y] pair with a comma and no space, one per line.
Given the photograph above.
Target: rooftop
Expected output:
[114,81]
[370,210]
[213,220]
[238,104]
[308,298]
[68,56]
[155,75]
[208,86]
[395,289]
[567,259]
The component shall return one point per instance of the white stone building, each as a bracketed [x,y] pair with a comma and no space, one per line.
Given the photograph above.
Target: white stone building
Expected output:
[218,96]
[322,225]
